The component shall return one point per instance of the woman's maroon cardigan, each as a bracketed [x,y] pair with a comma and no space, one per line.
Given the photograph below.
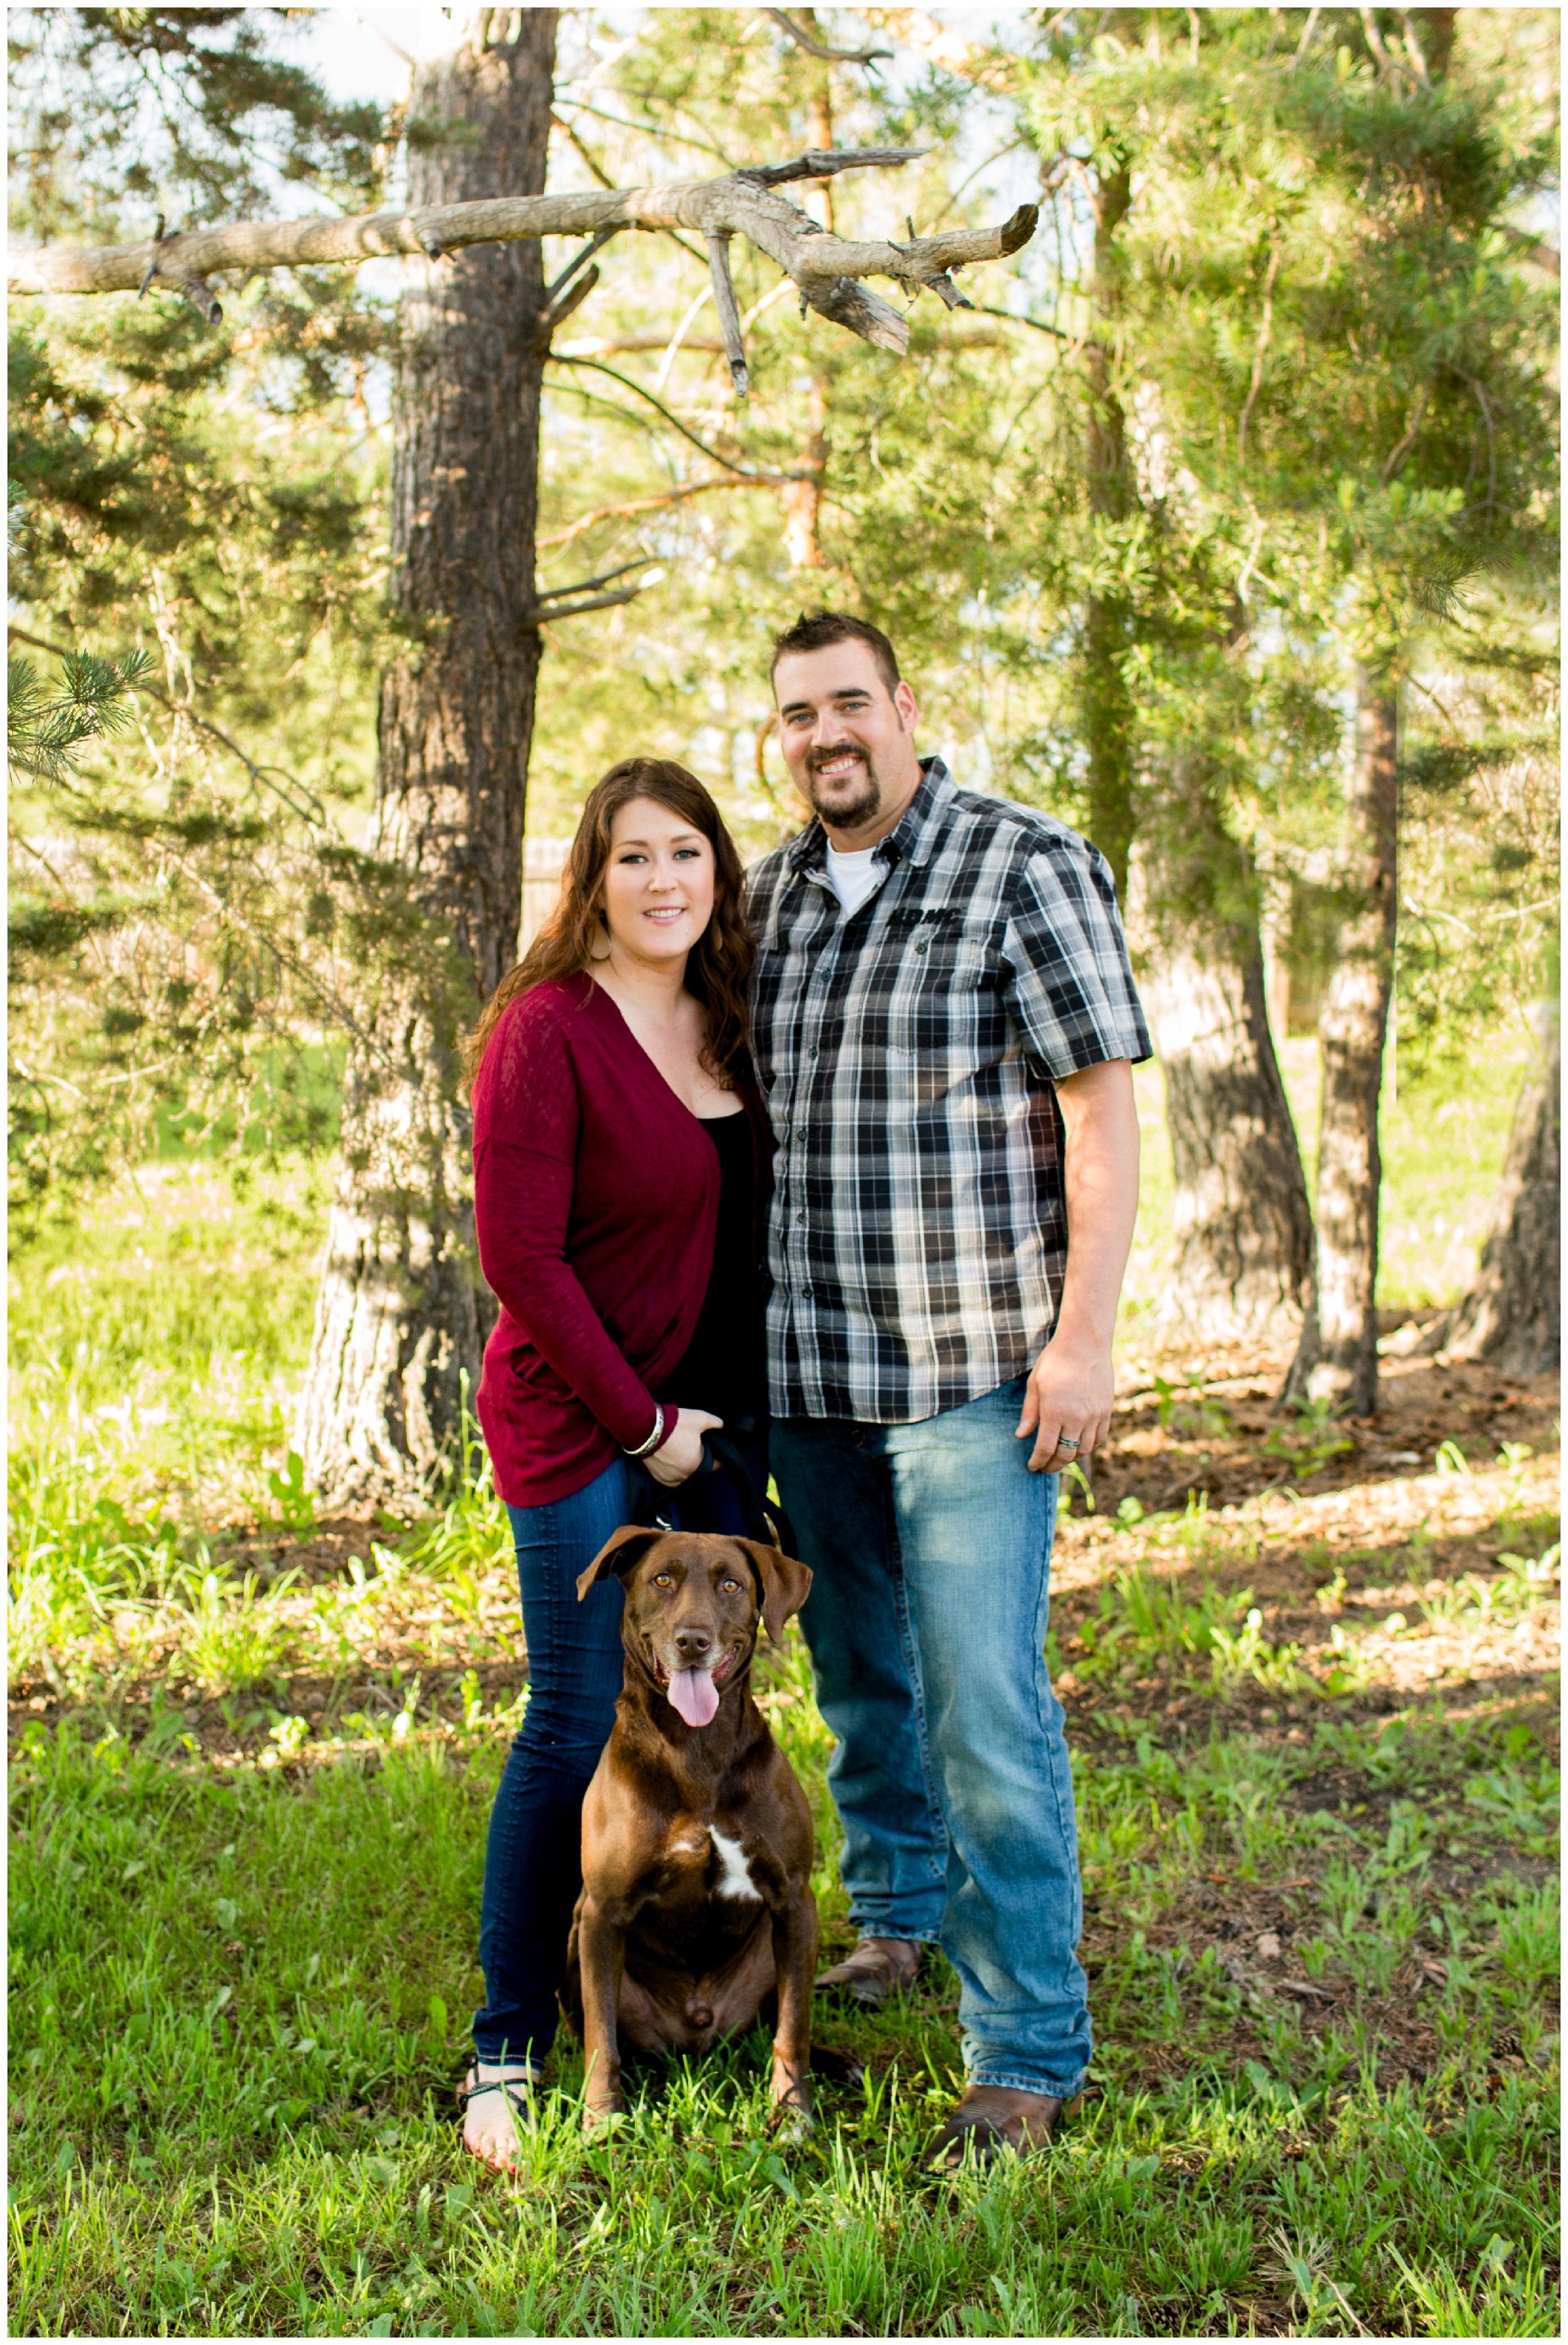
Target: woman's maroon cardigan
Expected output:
[596,1199]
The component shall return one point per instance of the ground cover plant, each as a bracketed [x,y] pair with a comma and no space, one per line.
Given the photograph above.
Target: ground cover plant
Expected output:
[1309,1669]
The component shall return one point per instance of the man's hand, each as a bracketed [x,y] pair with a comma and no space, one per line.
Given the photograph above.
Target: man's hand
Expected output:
[1070,1392]
[1071,1387]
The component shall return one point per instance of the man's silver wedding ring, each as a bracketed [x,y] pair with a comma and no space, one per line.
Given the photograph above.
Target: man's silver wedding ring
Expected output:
[1066,1441]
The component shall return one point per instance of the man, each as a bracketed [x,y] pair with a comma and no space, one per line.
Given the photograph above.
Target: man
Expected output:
[944,1024]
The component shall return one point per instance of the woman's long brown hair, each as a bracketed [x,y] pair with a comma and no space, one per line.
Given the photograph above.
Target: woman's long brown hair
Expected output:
[719,963]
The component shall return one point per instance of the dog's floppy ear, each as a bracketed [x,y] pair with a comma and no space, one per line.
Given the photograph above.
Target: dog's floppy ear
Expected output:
[619,1553]
[785,1584]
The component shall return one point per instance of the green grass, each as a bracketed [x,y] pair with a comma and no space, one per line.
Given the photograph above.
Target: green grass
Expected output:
[243,1920]
[155,1348]
[239,1998]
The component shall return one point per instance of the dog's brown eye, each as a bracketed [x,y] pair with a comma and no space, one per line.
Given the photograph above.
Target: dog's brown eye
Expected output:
[662,1579]
[728,1587]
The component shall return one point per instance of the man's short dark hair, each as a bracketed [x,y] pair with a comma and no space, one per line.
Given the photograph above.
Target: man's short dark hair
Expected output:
[814,631]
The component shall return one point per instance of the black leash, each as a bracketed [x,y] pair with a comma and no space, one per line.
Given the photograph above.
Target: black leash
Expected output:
[720,1455]
[724,1455]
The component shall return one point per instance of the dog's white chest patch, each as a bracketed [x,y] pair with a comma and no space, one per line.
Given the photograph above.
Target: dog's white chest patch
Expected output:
[734,1876]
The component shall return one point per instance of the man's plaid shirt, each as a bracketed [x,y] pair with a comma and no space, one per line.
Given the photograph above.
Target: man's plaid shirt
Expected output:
[907,1056]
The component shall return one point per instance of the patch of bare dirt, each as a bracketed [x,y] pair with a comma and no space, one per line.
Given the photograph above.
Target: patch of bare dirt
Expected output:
[320,1557]
[1214,1429]
[1360,1541]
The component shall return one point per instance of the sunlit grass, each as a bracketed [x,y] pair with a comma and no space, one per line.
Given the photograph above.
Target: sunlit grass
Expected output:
[233,2062]
[157,1347]
[242,1961]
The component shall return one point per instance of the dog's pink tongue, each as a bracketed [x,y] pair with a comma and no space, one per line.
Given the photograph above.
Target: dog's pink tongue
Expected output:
[694,1695]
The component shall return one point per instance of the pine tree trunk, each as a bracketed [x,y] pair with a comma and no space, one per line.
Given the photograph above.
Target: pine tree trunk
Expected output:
[1106,697]
[802,498]
[1244,1224]
[402,1313]
[1511,1316]
[1337,1359]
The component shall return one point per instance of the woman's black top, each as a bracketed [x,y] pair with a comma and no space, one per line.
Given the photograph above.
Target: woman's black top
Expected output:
[724,1369]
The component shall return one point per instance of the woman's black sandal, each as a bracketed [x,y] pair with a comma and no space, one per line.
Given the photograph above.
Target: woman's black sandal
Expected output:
[518,2091]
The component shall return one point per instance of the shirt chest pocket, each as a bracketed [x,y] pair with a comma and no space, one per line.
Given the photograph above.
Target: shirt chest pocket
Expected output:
[938,981]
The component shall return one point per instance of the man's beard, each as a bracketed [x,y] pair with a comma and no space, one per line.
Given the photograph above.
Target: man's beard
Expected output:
[845,813]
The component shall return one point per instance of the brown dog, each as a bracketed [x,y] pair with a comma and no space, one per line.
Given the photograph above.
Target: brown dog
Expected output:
[696,1898]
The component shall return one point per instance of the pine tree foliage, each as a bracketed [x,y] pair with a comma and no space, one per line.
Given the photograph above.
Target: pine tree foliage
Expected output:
[1332,352]
[118,111]
[1315,256]
[44,731]
[206,510]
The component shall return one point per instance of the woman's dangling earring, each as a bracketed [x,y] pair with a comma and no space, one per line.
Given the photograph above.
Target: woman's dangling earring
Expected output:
[599,946]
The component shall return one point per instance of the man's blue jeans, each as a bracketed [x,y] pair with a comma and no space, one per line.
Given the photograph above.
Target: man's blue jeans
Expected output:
[931,1545]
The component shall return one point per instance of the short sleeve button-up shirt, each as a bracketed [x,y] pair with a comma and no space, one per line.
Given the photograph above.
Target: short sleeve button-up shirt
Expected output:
[908,1056]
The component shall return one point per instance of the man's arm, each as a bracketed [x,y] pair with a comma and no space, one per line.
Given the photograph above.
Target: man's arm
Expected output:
[1071,1388]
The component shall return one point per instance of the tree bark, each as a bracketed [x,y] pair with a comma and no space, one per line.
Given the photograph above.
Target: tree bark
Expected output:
[1242,1222]
[802,498]
[1337,1358]
[1511,1316]
[1106,702]
[402,1315]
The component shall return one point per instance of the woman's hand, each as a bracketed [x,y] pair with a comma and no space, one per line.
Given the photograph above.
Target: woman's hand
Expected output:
[679,1456]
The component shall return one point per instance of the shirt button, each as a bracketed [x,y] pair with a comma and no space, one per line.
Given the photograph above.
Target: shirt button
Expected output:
[799,1218]
[814,1052]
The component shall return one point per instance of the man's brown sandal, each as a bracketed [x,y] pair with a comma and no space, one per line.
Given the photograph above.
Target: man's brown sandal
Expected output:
[992,2118]
[878,1969]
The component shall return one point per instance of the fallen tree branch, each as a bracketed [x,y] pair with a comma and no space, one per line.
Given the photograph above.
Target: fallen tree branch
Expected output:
[826,268]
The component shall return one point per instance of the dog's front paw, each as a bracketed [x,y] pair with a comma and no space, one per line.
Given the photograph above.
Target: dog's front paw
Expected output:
[600,2119]
[789,2121]
[790,2128]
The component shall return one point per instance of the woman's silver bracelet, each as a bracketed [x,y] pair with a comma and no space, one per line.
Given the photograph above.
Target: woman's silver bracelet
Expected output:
[653,1439]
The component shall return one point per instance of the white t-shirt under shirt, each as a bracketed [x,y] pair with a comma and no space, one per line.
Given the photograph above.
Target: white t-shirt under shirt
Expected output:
[852,877]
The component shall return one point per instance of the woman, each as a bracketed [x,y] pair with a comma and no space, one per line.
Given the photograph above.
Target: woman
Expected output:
[621,1158]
